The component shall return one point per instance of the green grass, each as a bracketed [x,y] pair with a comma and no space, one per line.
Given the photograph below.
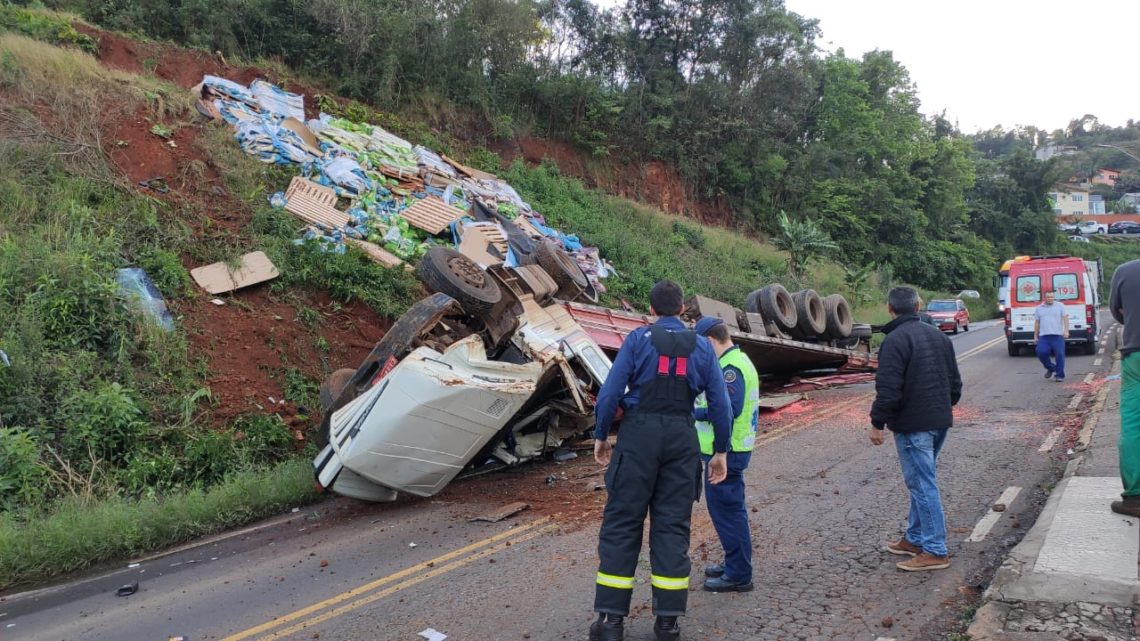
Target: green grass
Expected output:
[78,534]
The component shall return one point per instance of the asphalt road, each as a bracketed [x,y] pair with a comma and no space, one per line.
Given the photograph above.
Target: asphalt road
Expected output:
[823,503]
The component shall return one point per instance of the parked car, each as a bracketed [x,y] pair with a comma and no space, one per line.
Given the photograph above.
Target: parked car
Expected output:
[1124,227]
[1078,239]
[949,315]
[1090,227]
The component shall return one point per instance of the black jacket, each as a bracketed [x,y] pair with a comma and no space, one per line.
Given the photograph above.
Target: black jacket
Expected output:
[917,383]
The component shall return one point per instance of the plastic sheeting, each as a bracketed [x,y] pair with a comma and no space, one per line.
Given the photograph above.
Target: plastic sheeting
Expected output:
[277,101]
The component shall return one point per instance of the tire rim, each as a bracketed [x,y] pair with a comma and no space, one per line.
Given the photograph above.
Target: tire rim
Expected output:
[467,271]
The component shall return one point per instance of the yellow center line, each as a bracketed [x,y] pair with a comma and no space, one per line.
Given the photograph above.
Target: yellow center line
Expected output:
[403,585]
[387,579]
[980,348]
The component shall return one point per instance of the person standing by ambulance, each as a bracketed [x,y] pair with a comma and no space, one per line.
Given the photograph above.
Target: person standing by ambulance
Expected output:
[726,500]
[656,466]
[1050,331]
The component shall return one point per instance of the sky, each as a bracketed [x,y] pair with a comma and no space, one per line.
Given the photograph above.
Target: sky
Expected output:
[997,62]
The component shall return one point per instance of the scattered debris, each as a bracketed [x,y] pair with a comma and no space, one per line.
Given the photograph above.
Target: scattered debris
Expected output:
[218,278]
[999,507]
[777,402]
[1114,377]
[887,622]
[411,545]
[128,589]
[510,509]
[139,289]
[431,634]
[133,565]
[564,454]
[217,301]
[324,563]
[594,486]
[157,183]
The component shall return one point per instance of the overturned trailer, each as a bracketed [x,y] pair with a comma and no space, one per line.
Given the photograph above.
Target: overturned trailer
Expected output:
[497,367]
[772,355]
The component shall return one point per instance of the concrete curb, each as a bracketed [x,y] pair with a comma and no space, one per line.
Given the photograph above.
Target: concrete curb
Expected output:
[1015,580]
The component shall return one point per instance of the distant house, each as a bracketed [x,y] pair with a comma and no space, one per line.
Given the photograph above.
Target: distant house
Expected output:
[1132,198]
[1070,200]
[1096,205]
[1050,150]
[1106,176]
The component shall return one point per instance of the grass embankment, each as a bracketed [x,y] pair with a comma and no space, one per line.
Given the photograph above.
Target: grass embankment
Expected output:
[105,450]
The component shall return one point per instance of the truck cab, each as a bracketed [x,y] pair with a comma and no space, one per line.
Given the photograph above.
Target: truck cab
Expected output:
[1075,288]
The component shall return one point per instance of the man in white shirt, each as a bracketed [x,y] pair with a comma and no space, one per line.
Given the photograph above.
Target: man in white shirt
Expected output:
[1050,329]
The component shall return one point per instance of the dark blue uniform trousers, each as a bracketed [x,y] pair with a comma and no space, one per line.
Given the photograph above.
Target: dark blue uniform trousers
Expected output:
[656,469]
[730,518]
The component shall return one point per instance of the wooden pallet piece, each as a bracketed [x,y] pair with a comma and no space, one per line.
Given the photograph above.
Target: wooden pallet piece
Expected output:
[376,252]
[491,232]
[431,214]
[314,204]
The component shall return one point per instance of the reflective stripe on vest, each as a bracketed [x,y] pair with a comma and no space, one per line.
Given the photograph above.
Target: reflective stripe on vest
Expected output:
[744,426]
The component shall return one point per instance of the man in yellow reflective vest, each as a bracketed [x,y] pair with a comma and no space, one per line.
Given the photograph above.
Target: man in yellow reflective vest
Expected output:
[726,499]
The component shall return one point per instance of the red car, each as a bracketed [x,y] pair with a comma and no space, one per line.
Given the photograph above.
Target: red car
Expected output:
[949,315]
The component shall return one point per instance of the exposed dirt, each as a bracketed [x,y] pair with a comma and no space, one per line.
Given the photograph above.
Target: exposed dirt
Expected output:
[251,341]
[652,182]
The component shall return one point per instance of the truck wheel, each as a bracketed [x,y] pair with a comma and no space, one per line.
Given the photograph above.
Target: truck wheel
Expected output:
[448,272]
[810,318]
[838,315]
[1013,350]
[776,305]
[1090,347]
[561,267]
[332,386]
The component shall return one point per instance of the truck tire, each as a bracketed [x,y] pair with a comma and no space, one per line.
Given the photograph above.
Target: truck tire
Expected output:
[810,318]
[838,315]
[776,305]
[561,267]
[1013,349]
[447,271]
[1090,346]
[332,386]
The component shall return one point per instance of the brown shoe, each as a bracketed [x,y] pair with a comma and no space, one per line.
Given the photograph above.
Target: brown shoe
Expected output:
[1127,507]
[923,562]
[903,547]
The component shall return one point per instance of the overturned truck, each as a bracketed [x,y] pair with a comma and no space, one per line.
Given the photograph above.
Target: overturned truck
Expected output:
[497,367]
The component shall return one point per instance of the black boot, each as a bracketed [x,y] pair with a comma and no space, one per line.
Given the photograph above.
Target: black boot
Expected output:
[667,629]
[1130,506]
[608,627]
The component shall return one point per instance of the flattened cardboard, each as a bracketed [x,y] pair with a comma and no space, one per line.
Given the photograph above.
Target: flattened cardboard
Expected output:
[218,278]
[306,135]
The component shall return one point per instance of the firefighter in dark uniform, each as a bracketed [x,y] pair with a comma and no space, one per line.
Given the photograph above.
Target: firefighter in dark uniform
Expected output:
[656,467]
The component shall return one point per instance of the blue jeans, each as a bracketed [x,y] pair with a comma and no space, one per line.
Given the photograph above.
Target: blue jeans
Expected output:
[1052,344]
[918,454]
[730,518]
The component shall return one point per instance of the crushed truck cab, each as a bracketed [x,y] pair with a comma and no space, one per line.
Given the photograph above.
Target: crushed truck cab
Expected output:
[446,391]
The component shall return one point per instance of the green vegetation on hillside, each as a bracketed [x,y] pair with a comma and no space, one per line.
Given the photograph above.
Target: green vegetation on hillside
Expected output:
[734,95]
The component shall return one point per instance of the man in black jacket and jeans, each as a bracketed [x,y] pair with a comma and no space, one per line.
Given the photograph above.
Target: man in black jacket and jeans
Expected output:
[916,387]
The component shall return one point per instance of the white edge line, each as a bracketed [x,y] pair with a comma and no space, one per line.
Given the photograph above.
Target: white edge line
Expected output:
[1088,378]
[990,519]
[885,639]
[1097,362]
[1077,398]
[1101,351]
